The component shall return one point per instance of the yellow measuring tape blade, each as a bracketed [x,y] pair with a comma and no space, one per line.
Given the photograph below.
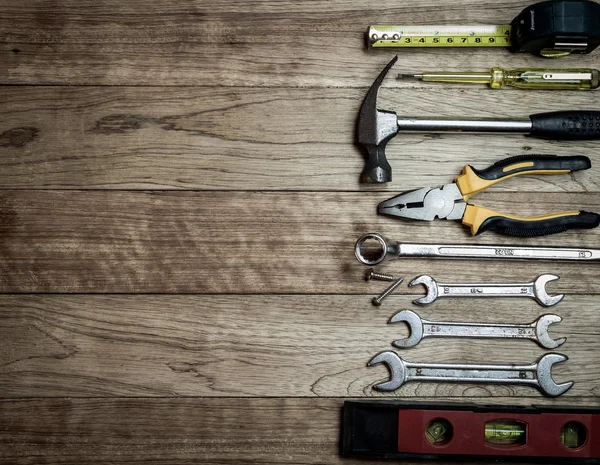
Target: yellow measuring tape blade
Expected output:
[439,36]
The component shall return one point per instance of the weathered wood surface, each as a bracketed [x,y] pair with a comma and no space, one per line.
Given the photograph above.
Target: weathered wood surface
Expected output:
[206,149]
[248,138]
[222,43]
[247,242]
[264,346]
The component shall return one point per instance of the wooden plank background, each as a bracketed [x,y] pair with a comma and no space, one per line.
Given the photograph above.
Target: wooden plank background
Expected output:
[179,201]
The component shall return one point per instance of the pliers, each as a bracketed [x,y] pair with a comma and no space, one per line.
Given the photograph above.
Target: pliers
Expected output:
[450,201]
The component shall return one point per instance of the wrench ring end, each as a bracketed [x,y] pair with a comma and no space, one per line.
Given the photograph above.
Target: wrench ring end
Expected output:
[361,242]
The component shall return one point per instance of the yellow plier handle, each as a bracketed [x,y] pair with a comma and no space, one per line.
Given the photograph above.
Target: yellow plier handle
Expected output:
[480,219]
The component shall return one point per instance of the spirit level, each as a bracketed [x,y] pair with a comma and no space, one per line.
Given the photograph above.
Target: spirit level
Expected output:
[551,29]
[396,430]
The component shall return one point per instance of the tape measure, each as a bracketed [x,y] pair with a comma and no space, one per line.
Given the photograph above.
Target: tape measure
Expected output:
[439,36]
[551,29]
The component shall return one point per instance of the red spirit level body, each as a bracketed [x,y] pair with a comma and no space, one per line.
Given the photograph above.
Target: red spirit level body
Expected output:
[395,430]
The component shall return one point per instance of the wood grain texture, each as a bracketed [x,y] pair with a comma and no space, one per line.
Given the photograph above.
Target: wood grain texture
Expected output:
[143,346]
[245,242]
[176,431]
[248,138]
[179,202]
[222,43]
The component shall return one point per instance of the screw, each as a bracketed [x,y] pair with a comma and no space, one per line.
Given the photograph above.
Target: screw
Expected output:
[377,300]
[372,274]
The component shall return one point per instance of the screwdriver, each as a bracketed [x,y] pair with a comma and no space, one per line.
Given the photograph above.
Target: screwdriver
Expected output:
[533,78]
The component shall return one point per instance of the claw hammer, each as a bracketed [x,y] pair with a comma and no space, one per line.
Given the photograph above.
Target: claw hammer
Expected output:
[375,128]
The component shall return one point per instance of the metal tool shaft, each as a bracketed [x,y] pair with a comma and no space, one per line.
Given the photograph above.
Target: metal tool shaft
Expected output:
[499,251]
[434,125]
[488,290]
[484,330]
[523,374]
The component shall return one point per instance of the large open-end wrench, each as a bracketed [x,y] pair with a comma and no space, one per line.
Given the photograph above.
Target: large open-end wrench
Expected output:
[535,290]
[538,374]
[420,329]
[387,247]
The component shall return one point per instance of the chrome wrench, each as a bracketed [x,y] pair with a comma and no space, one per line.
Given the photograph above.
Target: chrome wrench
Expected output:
[535,290]
[420,329]
[388,247]
[538,374]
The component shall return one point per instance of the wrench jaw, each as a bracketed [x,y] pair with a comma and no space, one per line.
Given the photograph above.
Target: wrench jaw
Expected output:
[431,287]
[544,375]
[541,332]
[539,290]
[396,368]
[415,326]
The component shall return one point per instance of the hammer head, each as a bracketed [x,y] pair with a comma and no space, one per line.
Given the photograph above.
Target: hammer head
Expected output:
[374,129]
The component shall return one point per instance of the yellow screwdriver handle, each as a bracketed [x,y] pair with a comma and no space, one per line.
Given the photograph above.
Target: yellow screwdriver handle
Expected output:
[550,79]
[524,78]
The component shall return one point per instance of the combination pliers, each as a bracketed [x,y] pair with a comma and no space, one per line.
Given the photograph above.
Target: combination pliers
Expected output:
[450,201]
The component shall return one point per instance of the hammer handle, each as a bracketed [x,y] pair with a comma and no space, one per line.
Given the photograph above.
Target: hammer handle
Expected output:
[566,125]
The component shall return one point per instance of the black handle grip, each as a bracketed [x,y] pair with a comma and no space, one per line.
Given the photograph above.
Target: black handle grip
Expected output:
[566,125]
[511,227]
[532,163]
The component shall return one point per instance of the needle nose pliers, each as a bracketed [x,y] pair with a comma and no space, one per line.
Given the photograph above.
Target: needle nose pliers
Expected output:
[450,200]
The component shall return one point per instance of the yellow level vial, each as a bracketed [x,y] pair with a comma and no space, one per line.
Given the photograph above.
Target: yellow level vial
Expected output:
[439,36]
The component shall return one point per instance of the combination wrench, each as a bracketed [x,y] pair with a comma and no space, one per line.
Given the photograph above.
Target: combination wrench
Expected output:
[535,290]
[387,247]
[420,329]
[538,374]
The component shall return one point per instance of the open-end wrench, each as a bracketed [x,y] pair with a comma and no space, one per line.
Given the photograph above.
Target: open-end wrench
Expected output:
[538,374]
[535,290]
[388,247]
[420,329]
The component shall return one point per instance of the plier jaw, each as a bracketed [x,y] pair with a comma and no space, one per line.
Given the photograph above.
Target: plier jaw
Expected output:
[446,202]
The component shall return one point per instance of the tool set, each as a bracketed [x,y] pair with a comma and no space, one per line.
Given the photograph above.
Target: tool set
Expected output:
[550,29]
[376,128]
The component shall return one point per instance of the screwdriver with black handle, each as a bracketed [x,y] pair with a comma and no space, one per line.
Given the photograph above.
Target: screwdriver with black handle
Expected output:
[523,78]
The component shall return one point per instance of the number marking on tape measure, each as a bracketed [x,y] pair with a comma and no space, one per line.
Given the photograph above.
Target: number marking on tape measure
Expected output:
[439,36]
